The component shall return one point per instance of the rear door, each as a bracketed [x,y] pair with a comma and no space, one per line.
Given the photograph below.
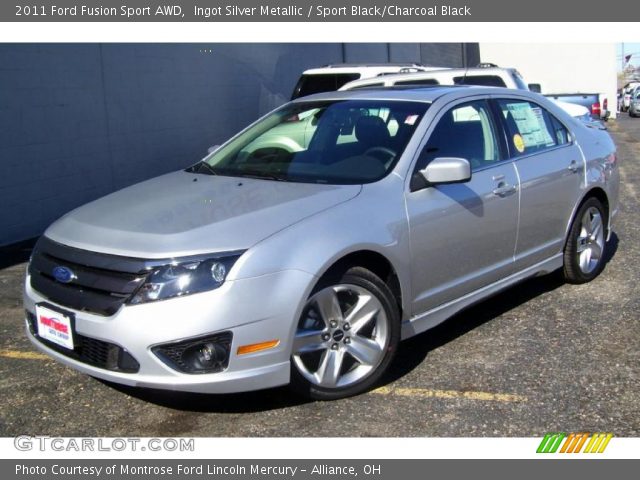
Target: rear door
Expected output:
[462,235]
[551,170]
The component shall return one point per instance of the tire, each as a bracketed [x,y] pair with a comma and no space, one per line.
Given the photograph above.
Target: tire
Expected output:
[585,247]
[346,337]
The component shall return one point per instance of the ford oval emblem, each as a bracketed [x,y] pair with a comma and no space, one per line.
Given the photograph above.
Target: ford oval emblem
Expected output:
[63,274]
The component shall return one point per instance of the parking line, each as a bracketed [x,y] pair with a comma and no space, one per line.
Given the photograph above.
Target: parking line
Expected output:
[429,393]
[16,354]
[400,391]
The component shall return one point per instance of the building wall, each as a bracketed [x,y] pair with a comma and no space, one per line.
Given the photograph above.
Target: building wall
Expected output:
[78,121]
[561,68]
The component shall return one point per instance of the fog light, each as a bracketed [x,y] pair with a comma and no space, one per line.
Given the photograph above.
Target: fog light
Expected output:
[208,354]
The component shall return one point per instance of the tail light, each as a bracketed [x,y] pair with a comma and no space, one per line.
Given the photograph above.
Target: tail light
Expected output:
[605,104]
[595,109]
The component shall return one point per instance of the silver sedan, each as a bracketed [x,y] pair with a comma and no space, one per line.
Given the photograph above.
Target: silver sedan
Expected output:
[306,247]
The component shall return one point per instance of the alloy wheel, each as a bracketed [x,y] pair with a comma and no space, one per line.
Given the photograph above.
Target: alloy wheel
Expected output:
[590,244]
[342,336]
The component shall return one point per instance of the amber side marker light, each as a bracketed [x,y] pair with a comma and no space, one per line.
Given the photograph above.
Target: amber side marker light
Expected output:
[257,347]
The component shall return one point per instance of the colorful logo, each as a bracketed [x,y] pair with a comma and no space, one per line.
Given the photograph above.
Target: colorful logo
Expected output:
[574,442]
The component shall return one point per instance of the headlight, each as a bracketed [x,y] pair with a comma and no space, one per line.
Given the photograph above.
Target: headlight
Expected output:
[184,277]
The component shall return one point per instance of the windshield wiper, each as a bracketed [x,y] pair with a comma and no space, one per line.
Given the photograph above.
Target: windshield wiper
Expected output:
[262,175]
[200,166]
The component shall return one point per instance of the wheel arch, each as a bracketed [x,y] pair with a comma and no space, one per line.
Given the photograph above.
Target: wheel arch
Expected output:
[594,192]
[374,261]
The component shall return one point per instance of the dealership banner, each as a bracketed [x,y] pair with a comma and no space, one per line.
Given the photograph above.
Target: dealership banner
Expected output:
[312,469]
[317,11]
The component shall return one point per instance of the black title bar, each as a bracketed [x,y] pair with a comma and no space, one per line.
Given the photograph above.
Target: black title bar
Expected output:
[318,11]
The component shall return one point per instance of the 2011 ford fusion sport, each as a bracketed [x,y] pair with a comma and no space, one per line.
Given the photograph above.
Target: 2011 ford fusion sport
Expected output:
[306,247]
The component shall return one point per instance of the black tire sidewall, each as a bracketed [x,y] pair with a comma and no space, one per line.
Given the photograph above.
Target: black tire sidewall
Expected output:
[363,278]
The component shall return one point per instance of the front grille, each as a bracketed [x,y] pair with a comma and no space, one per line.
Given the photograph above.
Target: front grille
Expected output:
[91,351]
[101,283]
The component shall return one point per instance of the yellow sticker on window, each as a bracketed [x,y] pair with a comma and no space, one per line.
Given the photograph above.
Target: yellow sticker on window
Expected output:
[518,142]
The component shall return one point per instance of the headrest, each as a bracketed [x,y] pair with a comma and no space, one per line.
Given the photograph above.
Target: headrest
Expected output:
[371,130]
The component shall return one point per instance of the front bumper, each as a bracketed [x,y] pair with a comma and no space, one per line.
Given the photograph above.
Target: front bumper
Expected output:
[255,310]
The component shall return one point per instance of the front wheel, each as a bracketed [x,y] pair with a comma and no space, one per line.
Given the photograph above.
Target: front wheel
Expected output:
[347,336]
[585,247]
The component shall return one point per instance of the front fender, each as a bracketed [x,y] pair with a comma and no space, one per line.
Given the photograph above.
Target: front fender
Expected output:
[373,221]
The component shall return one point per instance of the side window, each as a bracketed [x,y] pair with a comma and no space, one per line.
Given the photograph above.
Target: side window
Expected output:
[530,128]
[561,133]
[480,80]
[368,85]
[418,81]
[465,131]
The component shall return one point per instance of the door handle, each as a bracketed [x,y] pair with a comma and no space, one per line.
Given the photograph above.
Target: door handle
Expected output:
[504,189]
[573,166]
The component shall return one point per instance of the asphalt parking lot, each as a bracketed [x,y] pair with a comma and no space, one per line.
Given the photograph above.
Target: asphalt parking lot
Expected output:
[543,356]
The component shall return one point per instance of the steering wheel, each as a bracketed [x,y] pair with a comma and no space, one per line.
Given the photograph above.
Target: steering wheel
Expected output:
[384,154]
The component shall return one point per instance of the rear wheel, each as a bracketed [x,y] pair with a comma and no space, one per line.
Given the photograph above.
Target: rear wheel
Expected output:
[346,337]
[585,247]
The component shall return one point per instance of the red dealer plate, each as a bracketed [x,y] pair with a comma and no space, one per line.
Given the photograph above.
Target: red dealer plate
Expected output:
[54,326]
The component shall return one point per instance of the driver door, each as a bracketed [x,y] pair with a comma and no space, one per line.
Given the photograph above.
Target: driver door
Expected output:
[463,235]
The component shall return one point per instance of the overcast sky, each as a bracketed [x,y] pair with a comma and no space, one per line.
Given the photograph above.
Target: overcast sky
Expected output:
[629,48]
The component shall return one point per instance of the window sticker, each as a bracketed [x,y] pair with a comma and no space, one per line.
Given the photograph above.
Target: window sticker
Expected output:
[531,125]
[518,142]
[548,140]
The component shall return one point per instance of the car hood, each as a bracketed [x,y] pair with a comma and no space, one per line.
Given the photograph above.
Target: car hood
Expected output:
[182,214]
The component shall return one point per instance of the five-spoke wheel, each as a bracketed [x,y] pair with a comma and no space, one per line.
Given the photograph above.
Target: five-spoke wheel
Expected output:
[346,336]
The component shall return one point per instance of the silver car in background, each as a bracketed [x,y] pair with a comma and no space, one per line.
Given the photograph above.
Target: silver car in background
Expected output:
[305,248]
[634,104]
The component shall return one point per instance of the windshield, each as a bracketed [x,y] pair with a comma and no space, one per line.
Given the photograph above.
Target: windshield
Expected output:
[334,142]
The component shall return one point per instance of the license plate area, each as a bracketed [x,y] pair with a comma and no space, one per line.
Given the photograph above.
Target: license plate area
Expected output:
[55,326]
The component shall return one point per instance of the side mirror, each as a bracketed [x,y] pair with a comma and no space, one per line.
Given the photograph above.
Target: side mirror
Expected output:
[535,87]
[212,149]
[444,170]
